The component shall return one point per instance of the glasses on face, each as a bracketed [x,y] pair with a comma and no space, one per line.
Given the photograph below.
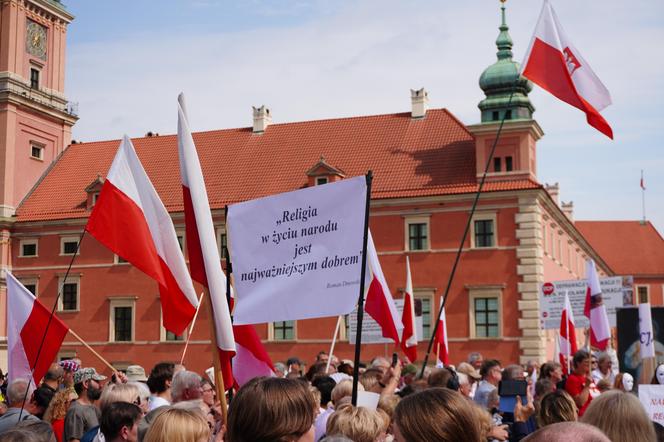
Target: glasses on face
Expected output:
[137,401]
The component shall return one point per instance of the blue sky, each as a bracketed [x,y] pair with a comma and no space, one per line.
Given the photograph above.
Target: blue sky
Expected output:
[128,60]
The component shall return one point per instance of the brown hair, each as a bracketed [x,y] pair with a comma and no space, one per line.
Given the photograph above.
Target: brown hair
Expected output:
[57,408]
[271,409]
[178,425]
[556,406]
[356,423]
[620,416]
[437,414]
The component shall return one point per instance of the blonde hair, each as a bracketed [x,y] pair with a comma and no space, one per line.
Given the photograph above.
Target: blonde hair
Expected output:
[356,423]
[620,416]
[118,393]
[556,406]
[343,389]
[57,408]
[178,425]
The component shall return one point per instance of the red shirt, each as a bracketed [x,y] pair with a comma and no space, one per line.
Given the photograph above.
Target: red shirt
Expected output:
[574,385]
[58,428]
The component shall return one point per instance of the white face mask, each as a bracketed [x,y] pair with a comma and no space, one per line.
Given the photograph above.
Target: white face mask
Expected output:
[660,374]
[628,382]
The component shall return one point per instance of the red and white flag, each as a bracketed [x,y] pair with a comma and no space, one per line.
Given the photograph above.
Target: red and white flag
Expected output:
[567,345]
[595,310]
[557,66]
[643,183]
[26,323]
[379,303]
[130,220]
[409,336]
[251,360]
[202,244]
[440,340]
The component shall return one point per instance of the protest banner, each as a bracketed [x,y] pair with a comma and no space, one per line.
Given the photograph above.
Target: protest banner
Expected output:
[552,297]
[630,342]
[652,398]
[298,255]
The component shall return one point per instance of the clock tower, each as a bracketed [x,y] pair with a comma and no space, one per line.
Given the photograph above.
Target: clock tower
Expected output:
[35,117]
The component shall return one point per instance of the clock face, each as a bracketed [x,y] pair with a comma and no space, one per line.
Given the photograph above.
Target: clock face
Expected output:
[35,39]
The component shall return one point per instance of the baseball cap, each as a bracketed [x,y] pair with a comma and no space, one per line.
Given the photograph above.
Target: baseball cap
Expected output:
[69,365]
[85,374]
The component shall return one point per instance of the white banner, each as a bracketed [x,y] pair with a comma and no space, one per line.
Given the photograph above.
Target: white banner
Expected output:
[615,290]
[371,331]
[297,255]
[645,328]
[652,398]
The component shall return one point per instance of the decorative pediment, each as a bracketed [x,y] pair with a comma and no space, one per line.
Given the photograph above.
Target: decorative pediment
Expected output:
[96,185]
[323,168]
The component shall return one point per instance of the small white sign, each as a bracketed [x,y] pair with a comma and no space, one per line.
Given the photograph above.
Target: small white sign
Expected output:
[371,331]
[647,339]
[652,398]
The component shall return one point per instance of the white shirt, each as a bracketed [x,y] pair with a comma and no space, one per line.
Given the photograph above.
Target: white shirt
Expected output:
[156,402]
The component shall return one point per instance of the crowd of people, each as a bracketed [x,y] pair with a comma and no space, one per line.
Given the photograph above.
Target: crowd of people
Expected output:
[469,402]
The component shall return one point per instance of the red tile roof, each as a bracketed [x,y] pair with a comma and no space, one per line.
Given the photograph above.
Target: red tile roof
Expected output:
[409,158]
[628,247]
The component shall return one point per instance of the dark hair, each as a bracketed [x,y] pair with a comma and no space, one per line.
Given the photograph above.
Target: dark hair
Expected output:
[345,367]
[160,373]
[487,366]
[444,377]
[325,385]
[42,396]
[118,415]
[542,387]
[580,356]
[547,368]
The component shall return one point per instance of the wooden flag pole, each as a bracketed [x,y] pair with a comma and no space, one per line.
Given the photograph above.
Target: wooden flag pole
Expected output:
[437,353]
[93,351]
[360,303]
[334,340]
[191,327]
[218,376]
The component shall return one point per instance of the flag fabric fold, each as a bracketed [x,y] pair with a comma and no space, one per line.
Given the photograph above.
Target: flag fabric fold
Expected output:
[202,244]
[409,335]
[379,303]
[130,220]
[440,340]
[251,359]
[567,345]
[557,66]
[595,310]
[26,324]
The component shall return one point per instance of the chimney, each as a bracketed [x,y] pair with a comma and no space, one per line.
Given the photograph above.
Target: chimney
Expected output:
[419,99]
[568,210]
[262,119]
[553,190]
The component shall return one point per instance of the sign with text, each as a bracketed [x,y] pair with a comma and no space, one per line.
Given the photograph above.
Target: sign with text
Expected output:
[371,331]
[652,398]
[298,255]
[552,297]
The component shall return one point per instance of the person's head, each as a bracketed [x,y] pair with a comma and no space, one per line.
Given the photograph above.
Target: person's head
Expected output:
[42,430]
[59,405]
[370,379]
[178,425]
[658,377]
[553,371]
[604,363]
[17,392]
[467,369]
[439,377]
[436,414]
[542,387]
[491,371]
[119,422]
[271,409]
[356,423]
[87,383]
[161,377]
[624,382]
[581,362]
[119,393]
[556,406]
[143,394]
[136,373]
[620,416]
[280,369]
[325,385]
[513,372]
[54,374]
[69,367]
[531,366]
[209,394]
[322,356]
[343,389]
[465,386]
[381,364]
[593,362]
[567,431]
[40,400]
[603,385]
[476,360]
[317,370]
[294,364]
[186,386]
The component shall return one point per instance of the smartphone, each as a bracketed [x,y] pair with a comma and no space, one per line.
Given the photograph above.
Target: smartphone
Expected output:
[395,359]
[508,391]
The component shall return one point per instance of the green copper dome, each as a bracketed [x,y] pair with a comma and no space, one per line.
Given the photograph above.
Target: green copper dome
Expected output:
[498,81]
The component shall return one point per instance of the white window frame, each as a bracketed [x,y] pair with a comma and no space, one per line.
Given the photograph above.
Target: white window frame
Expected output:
[30,280]
[637,298]
[485,292]
[28,242]
[484,216]
[71,279]
[162,331]
[181,233]
[270,333]
[68,239]
[427,294]
[42,149]
[323,179]
[419,219]
[116,261]
[95,197]
[219,232]
[121,301]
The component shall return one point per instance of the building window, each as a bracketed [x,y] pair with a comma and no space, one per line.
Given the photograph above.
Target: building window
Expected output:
[486,317]
[417,236]
[119,260]
[69,246]
[222,242]
[508,114]
[495,116]
[283,331]
[34,78]
[321,180]
[643,293]
[30,284]
[69,294]
[95,197]
[423,308]
[28,248]
[508,164]
[180,237]
[484,233]
[167,336]
[122,320]
[37,151]
[496,164]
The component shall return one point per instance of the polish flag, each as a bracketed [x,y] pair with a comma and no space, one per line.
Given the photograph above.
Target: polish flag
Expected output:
[409,336]
[567,338]
[379,303]
[440,340]
[557,66]
[595,310]
[202,243]
[26,324]
[130,220]
[251,360]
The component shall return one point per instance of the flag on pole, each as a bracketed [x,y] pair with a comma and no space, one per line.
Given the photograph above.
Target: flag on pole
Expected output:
[379,303]
[595,310]
[643,184]
[26,324]
[251,360]
[567,345]
[409,336]
[201,242]
[558,67]
[130,220]
[440,340]
[647,339]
